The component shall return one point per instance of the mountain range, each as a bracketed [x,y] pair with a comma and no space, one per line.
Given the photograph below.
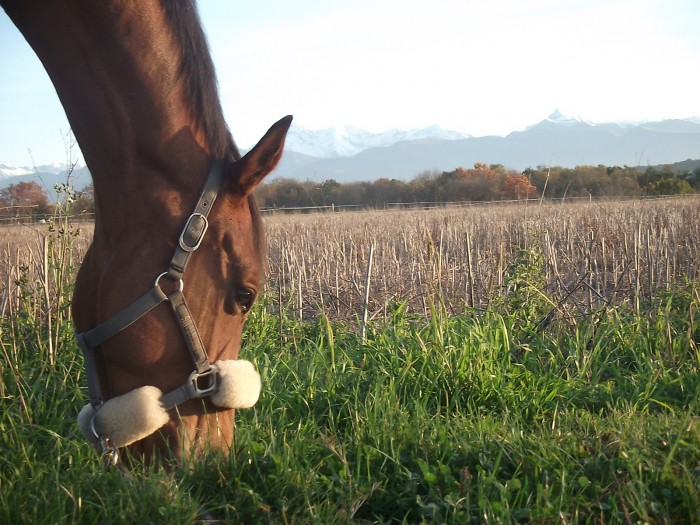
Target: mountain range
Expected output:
[558,140]
[349,154]
[348,141]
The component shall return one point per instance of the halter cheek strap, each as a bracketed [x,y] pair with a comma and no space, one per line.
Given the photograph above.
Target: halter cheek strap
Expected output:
[205,378]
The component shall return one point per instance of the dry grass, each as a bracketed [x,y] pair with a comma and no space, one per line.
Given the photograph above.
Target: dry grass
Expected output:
[37,270]
[587,254]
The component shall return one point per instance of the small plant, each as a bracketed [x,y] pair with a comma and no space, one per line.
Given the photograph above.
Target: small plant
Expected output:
[525,294]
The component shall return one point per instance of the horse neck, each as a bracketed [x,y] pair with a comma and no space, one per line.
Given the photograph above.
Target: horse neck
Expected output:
[117,70]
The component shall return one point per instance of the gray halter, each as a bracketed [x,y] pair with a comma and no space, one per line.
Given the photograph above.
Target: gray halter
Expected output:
[203,381]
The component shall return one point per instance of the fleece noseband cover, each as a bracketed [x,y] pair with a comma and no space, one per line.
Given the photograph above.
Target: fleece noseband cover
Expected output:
[139,413]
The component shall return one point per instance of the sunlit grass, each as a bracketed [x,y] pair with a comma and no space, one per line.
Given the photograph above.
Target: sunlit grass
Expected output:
[450,421]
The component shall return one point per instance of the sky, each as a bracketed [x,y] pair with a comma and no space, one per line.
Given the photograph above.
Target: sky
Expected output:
[483,68]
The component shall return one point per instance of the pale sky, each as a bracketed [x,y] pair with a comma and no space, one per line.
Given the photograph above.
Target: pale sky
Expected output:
[484,68]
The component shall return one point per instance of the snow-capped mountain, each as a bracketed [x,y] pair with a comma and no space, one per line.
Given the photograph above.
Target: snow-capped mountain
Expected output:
[559,119]
[565,119]
[559,139]
[350,154]
[348,141]
[8,171]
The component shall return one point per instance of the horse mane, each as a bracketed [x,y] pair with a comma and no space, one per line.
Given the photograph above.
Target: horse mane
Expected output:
[199,77]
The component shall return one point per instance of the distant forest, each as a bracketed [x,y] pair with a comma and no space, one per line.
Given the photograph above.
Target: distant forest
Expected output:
[28,201]
[483,183]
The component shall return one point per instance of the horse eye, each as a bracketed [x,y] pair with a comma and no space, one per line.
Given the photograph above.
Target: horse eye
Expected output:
[245,297]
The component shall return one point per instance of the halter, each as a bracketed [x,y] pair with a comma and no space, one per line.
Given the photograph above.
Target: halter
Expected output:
[205,378]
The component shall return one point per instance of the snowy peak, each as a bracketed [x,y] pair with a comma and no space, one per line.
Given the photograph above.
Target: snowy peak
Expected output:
[557,120]
[54,169]
[348,141]
[559,117]
[8,171]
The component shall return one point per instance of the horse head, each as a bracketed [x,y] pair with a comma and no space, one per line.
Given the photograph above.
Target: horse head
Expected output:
[178,253]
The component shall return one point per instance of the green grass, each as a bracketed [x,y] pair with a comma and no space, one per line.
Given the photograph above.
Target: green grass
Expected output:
[484,417]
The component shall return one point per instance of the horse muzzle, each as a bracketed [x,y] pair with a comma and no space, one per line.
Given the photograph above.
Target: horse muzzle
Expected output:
[128,418]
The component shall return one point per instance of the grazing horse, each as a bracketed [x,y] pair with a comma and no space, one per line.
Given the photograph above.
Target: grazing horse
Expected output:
[161,344]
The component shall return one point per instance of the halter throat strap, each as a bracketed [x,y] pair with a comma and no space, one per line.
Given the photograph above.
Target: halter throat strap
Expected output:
[190,239]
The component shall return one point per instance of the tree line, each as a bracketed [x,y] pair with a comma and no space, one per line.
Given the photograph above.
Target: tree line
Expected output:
[28,201]
[482,183]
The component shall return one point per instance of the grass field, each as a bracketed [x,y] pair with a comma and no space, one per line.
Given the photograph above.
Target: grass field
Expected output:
[552,388]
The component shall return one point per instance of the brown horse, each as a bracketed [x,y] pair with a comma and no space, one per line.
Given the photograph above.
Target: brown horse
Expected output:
[137,83]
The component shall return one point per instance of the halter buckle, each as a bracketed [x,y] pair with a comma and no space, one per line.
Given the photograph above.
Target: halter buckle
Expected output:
[204,383]
[193,232]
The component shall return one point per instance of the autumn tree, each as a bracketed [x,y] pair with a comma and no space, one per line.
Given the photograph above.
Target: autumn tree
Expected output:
[515,186]
[480,183]
[384,191]
[351,194]
[623,182]
[586,181]
[694,178]
[84,203]
[24,200]
[668,182]
[670,186]
[289,193]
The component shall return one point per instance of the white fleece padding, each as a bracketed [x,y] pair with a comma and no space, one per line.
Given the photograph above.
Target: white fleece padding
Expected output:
[127,418]
[239,385]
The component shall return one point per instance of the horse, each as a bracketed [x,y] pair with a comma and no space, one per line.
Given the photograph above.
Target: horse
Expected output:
[172,192]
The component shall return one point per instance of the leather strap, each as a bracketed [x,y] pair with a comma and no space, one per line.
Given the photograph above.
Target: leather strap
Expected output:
[89,341]
[93,381]
[189,331]
[196,225]
[125,318]
[177,397]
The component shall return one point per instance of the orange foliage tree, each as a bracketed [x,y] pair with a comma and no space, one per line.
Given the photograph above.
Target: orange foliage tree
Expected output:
[480,183]
[515,186]
[24,200]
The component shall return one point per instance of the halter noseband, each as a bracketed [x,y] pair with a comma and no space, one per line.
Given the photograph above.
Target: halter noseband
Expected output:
[205,379]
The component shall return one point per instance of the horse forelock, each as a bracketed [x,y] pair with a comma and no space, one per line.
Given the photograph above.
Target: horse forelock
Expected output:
[199,77]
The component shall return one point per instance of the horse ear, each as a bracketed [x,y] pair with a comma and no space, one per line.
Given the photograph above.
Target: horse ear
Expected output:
[263,158]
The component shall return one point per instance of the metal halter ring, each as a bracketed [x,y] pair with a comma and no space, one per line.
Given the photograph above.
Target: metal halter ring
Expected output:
[110,453]
[92,427]
[166,274]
